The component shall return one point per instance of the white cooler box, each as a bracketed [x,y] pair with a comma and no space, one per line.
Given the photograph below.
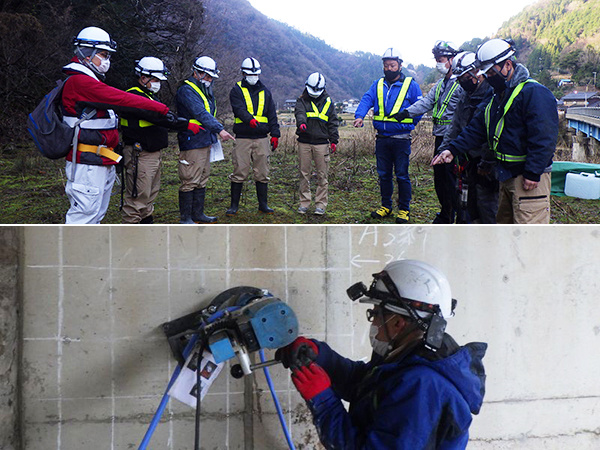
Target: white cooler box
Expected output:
[583,185]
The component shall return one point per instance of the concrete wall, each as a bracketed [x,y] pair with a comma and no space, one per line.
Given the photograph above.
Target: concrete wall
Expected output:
[96,363]
[9,338]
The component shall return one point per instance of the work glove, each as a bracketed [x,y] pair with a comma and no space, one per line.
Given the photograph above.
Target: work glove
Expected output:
[274,143]
[254,123]
[302,128]
[299,353]
[310,380]
[194,127]
[401,115]
[333,147]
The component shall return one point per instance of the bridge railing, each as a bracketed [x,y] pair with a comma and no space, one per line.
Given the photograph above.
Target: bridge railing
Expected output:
[594,112]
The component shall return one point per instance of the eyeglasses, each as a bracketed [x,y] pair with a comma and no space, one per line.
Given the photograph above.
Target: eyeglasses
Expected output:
[103,55]
[372,313]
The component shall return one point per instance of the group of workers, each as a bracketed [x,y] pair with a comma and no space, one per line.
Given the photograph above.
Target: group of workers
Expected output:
[144,123]
[495,134]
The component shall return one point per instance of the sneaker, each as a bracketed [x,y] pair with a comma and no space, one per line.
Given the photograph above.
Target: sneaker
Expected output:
[319,211]
[402,217]
[381,212]
[303,210]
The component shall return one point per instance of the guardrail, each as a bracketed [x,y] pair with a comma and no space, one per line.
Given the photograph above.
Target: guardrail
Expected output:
[582,111]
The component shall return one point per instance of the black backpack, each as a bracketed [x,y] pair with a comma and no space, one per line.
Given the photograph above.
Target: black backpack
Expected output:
[51,135]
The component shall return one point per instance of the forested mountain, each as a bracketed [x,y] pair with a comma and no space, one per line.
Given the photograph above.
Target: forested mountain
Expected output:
[558,35]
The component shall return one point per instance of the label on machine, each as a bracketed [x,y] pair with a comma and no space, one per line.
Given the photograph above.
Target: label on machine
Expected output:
[184,389]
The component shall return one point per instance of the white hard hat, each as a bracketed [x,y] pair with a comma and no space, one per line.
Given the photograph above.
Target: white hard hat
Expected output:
[462,63]
[421,286]
[392,53]
[494,52]
[208,65]
[151,66]
[443,48]
[94,37]
[251,66]
[315,84]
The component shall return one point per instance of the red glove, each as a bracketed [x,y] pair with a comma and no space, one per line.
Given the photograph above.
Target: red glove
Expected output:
[194,127]
[301,352]
[274,143]
[310,381]
[302,128]
[333,147]
[254,123]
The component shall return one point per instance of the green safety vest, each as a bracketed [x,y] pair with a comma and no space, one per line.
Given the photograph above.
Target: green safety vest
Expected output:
[399,100]
[320,114]
[140,123]
[250,107]
[203,96]
[438,111]
[493,141]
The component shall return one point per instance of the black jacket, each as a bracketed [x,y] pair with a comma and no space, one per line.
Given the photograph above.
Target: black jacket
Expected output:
[317,131]
[152,138]
[240,110]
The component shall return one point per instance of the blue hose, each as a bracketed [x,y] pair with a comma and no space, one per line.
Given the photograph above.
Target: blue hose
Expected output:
[288,438]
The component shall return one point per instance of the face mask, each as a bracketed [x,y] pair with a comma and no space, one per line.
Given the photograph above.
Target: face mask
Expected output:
[390,75]
[206,83]
[468,85]
[316,95]
[154,87]
[441,68]
[497,82]
[252,79]
[381,348]
[104,65]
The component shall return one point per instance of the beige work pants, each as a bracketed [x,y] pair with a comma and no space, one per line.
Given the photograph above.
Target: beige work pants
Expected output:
[516,205]
[250,153]
[308,153]
[194,168]
[148,184]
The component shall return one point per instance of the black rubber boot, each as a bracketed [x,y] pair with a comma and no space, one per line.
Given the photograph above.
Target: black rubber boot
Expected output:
[236,193]
[262,190]
[186,200]
[198,215]
[147,220]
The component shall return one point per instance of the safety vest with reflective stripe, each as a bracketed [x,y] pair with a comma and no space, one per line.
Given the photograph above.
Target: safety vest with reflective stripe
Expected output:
[139,123]
[493,141]
[203,96]
[250,107]
[439,110]
[320,114]
[399,100]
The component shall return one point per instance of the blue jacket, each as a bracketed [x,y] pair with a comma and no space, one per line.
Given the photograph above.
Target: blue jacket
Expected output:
[390,94]
[530,128]
[191,106]
[417,402]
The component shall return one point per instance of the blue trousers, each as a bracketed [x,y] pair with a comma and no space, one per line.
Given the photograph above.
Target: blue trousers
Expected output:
[392,158]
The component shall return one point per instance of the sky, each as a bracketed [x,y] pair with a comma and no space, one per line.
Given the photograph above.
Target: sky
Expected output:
[375,25]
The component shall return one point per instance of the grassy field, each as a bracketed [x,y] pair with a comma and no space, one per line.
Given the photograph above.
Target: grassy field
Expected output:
[32,187]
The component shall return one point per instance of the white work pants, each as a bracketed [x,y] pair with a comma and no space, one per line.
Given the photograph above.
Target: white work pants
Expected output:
[89,192]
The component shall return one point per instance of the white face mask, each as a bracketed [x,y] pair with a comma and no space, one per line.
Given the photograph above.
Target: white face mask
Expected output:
[252,79]
[154,87]
[206,83]
[379,347]
[441,68]
[104,65]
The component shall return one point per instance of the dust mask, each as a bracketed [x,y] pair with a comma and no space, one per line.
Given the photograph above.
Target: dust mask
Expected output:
[441,68]
[154,87]
[379,347]
[252,79]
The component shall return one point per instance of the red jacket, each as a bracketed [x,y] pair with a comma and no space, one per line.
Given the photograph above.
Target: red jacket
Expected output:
[82,91]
